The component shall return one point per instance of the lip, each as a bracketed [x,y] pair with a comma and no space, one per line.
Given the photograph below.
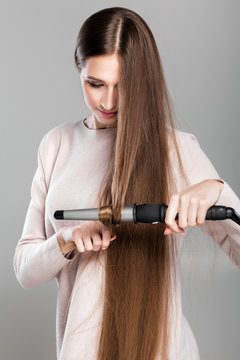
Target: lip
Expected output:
[107,115]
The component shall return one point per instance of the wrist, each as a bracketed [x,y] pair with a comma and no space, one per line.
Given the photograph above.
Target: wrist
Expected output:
[60,241]
[67,248]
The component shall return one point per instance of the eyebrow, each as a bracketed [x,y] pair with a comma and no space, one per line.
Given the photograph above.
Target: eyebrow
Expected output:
[93,78]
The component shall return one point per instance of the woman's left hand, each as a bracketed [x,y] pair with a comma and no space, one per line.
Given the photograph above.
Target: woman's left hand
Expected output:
[191,205]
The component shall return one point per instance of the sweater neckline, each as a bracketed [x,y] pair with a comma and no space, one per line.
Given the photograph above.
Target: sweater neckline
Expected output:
[110,129]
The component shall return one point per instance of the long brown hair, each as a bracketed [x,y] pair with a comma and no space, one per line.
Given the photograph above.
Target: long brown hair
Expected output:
[140,263]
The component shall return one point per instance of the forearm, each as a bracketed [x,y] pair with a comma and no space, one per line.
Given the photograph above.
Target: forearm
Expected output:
[226,232]
[35,263]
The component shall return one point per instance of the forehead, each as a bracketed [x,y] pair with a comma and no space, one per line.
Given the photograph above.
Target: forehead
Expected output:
[104,67]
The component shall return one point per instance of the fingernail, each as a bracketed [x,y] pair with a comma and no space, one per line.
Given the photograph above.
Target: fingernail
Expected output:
[103,248]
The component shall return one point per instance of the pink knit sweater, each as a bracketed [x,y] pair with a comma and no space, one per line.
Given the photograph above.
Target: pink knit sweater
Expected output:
[71,163]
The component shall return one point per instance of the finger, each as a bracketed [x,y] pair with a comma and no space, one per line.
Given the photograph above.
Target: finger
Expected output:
[113,238]
[192,212]
[183,211]
[96,242]
[77,237]
[169,231]
[202,212]
[105,239]
[171,213]
[79,244]
[77,229]
[88,243]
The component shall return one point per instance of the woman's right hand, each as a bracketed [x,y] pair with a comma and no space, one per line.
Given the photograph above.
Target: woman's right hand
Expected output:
[92,235]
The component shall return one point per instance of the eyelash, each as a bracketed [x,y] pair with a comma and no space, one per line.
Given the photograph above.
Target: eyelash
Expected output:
[94,85]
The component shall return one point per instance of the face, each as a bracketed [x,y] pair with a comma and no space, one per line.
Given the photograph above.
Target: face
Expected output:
[99,80]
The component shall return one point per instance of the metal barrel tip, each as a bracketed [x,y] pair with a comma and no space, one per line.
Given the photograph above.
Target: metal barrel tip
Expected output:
[58,214]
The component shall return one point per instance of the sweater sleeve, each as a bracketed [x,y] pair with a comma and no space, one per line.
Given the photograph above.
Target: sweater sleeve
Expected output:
[38,259]
[226,233]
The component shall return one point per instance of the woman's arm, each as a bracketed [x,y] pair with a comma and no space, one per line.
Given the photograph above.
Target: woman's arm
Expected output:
[226,232]
[38,259]
[192,203]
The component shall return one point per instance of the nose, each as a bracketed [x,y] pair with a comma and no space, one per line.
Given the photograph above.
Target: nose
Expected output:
[109,100]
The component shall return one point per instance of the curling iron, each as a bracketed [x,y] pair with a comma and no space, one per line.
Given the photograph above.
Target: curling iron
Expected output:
[146,213]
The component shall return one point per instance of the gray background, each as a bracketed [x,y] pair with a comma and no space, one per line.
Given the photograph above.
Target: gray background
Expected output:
[40,88]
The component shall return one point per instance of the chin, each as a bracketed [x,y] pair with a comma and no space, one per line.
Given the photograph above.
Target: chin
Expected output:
[106,121]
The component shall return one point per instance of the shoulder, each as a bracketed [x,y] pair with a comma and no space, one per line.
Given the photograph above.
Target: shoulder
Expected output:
[60,131]
[51,141]
[187,144]
[184,139]
[190,152]
[195,161]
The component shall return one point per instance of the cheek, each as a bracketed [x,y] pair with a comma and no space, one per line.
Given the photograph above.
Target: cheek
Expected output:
[91,96]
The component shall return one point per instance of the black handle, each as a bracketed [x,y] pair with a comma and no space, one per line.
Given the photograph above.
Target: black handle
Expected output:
[149,213]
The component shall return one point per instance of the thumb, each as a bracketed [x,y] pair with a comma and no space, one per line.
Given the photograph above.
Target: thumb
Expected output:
[168,231]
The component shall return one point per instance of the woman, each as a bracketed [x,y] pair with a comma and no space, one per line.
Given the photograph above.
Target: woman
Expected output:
[123,302]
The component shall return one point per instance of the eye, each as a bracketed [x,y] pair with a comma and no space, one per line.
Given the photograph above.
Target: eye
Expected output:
[94,85]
